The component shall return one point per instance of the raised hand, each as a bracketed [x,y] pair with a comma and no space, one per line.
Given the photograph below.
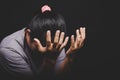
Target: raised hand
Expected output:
[58,44]
[77,43]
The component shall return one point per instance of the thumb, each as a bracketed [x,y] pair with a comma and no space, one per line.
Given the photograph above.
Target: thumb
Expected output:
[39,45]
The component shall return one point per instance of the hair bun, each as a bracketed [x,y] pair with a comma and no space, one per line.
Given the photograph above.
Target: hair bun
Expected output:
[45,8]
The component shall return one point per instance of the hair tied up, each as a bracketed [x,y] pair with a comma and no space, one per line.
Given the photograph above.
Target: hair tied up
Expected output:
[45,8]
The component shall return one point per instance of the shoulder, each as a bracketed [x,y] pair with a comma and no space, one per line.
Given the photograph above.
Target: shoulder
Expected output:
[13,40]
[13,43]
[8,52]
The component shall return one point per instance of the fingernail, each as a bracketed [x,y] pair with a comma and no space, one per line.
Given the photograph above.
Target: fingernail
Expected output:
[48,31]
[63,33]
[58,31]
[72,36]
[68,37]
[34,38]
[80,27]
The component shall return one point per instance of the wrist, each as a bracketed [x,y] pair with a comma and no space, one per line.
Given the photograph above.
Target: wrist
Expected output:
[68,52]
[51,55]
[49,61]
[70,55]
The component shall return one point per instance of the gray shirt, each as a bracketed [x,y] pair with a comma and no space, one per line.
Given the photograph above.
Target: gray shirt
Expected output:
[14,56]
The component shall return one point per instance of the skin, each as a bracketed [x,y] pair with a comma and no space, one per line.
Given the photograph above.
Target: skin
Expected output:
[77,43]
[58,44]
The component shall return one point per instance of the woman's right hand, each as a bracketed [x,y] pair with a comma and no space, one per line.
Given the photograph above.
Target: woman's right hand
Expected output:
[58,44]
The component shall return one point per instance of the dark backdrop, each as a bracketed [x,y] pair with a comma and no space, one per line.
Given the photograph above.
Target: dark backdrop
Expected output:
[100,50]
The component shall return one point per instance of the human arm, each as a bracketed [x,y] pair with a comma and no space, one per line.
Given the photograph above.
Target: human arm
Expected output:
[62,64]
[76,44]
[14,64]
[52,49]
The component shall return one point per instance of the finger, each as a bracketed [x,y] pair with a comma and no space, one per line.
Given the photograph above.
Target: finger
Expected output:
[61,40]
[39,45]
[56,38]
[77,37]
[72,41]
[61,37]
[82,31]
[64,43]
[48,38]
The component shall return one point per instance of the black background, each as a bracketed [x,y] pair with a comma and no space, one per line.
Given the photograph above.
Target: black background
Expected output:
[100,55]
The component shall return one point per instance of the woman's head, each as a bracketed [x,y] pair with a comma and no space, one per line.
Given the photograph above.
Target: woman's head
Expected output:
[43,21]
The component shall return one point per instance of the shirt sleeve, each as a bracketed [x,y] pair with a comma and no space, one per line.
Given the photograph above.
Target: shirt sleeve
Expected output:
[60,59]
[13,63]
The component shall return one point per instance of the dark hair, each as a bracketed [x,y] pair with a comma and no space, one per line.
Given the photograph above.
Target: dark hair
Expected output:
[42,22]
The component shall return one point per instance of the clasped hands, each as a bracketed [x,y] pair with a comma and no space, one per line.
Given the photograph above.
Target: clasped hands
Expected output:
[60,41]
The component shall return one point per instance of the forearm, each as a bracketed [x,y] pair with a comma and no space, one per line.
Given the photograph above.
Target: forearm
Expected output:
[65,65]
[47,65]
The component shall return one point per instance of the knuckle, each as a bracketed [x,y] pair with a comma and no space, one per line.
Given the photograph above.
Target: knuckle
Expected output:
[55,42]
[49,49]
[63,45]
[59,43]
[48,44]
